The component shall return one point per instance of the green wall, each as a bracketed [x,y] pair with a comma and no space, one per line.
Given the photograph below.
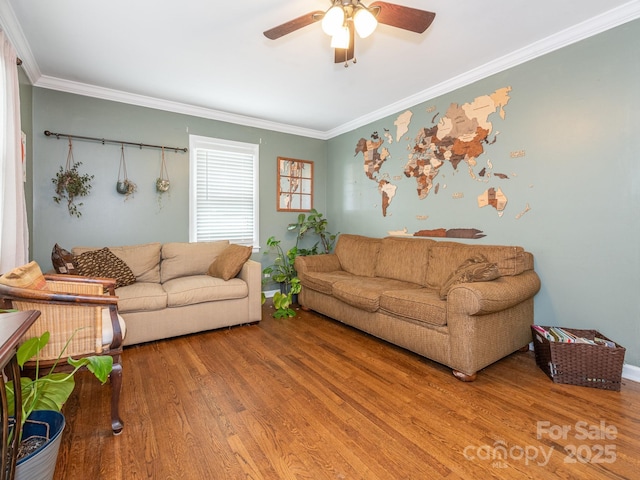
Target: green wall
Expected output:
[107,219]
[574,112]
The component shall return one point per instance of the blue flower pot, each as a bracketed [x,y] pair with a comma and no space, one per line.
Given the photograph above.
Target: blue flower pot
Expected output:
[41,464]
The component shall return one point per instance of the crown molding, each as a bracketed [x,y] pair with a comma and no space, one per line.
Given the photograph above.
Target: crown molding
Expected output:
[12,29]
[78,88]
[613,18]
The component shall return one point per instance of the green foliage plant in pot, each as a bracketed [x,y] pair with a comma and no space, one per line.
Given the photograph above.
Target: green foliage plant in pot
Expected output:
[283,269]
[46,392]
[71,184]
[282,301]
[313,223]
[283,272]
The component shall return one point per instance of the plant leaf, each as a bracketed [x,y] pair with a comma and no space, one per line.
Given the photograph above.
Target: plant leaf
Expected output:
[100,366]
[52,391]
[31,348]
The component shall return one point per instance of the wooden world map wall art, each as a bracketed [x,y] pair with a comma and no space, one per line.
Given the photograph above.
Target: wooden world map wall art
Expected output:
[453,141]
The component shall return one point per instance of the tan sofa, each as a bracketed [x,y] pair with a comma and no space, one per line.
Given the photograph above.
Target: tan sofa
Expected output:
[391,288]
[173,295]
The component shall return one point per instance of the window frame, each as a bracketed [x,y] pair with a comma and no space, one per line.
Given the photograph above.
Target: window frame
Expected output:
[198,142]
[299,185]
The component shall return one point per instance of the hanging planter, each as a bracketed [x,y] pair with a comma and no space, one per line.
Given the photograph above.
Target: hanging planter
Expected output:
[162,182]
[70,184]
[124,186]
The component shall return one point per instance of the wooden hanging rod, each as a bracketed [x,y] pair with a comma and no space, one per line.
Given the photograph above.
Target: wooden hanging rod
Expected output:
[117,142]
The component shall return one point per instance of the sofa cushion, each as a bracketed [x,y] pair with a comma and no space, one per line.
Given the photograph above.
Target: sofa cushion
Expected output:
[364,292]
[104,263]
[358,254]
[107,327]
[422,305]
[229,262]
[25,276]
[141,296]
[181,259]
[404,259]
[323,281]
[142,259]
[474,269]
[445,259]
[202,288]
[63,261]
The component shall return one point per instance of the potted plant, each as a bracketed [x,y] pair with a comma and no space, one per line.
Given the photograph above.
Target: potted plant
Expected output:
[69,185]
[127,188]
[124,186]
[283,269]
[282,301]
[42,400]
[315,223]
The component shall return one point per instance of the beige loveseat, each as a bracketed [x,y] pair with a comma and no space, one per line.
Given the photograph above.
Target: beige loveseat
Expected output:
[392,288]
[173,294]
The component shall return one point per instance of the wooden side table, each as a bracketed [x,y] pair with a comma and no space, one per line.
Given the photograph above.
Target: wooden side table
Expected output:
[13,326]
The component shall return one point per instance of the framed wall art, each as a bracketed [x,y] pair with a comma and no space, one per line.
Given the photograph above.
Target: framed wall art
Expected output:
[295,185]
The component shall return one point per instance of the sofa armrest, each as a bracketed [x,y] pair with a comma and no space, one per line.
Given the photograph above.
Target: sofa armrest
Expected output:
[251,272]
[482,298]
[327,262]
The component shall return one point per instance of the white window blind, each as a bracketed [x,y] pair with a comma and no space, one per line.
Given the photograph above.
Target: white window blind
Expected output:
[223,191]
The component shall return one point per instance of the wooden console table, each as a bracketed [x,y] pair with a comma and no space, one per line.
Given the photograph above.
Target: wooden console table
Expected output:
[12,328]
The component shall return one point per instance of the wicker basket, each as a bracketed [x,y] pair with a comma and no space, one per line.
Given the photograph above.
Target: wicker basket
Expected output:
[597,366]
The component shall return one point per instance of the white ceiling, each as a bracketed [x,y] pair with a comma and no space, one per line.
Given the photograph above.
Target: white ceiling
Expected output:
[210,58]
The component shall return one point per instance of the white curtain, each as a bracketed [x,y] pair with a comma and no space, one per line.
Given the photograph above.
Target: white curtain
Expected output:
[14,237]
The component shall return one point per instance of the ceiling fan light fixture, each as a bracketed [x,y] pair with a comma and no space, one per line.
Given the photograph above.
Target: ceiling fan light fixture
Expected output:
[333,20]
[364,22]
[341,38]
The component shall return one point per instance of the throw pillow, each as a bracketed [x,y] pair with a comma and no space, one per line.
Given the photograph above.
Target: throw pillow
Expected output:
[474,269]
[229,262]
[26,276]
[63,261]
[104,263]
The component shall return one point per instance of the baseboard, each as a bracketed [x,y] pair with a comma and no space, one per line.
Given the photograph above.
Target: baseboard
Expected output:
[631,372]
[269,293]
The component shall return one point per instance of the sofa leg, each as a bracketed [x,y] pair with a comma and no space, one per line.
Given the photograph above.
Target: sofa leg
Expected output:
[305,309]
[463,376]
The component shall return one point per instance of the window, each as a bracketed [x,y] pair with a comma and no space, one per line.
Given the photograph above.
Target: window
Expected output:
[223,191]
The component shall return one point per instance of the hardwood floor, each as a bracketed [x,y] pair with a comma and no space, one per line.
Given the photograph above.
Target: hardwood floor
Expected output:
[309,398]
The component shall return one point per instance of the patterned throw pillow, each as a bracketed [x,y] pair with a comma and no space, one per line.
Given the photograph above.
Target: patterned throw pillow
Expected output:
[104,263]
[229,262]
[474,269]
[63,261]
[26,276]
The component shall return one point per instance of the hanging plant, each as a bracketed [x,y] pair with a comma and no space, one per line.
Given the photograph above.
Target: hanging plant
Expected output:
[124,186]
[70,184]
[162,182]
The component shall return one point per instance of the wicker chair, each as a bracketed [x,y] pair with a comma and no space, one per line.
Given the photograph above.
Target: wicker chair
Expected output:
[75,304]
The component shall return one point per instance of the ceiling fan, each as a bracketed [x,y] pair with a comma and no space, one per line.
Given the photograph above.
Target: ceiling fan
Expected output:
[346,17]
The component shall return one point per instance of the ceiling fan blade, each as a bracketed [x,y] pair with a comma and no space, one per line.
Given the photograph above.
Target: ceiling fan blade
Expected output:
[407,18]
[346,54]
[293,25]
